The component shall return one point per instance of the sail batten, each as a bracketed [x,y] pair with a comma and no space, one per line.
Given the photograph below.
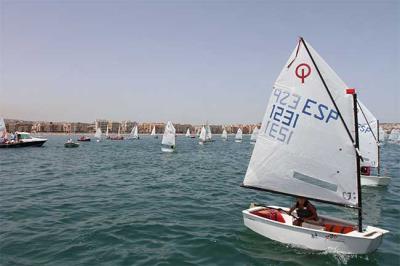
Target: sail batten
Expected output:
[303,145]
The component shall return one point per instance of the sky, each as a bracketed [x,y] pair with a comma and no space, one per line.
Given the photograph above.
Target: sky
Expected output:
[185,61]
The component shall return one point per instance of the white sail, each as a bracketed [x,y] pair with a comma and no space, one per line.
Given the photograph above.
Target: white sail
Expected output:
[134,132]
[203,134]
[254,134]
[224,134]
[169,135]
[98,133]
[3,130]
[153,131]
[107,132]
[239,134]
[208,133]
[187,133]
[382,135]
[303,148]
[368,134]
[394,135]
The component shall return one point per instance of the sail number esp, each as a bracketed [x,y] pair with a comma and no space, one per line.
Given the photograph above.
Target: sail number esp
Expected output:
[286,110]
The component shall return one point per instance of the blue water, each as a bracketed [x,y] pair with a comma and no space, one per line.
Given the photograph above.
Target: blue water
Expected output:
[127,203]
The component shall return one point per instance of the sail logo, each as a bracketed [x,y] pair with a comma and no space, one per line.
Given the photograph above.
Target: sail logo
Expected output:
[303,71]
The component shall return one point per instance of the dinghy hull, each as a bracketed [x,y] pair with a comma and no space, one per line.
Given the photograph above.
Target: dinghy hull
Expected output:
[314,239]
[373,180]
[165,149]
[238,140]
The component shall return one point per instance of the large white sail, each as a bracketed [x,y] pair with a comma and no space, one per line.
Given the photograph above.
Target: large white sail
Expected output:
[254,134]
[224,134]
[209,134]
[153,131]
[187,133]
[303,147]
[107,132]
[203,134]
[239,134]
[368,134]
[169,135]
[134,132]
[98,133]
[3,129]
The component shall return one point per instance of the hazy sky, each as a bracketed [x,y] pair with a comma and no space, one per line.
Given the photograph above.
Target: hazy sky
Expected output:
[186,61]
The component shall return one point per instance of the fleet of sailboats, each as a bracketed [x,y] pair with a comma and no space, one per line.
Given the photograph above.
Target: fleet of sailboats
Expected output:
[168,139]
[309,102]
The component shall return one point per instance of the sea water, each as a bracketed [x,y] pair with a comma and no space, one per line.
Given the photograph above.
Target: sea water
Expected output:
[128,203]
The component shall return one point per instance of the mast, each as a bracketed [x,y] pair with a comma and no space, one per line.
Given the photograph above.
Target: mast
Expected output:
[379,150]
[357,159]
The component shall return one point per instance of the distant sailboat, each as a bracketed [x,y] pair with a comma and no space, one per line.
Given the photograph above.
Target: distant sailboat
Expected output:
[168,139]
[119,136]
[394,136]
[208,133]
[134,133]
[254,136]
[224,135]
[107,133]
[239,135]
[187,133]
[153,132]
[308,146]
[98,134]
[368,131]
[202,136]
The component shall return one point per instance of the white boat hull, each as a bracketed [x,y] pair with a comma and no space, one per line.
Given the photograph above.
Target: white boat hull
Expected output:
[165,149]
[252,142]
[238,140]
[314,239]
[373,180]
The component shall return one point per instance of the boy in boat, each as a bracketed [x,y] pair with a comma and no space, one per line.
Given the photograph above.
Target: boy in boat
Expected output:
[305,211]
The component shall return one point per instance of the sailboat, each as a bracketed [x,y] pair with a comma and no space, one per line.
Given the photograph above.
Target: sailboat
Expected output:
[98,134]
[208,133]
[239,135]
[203,135]
[254,135]
[368,131]
[134,133]
[394,136]
[224,135]
[168,139]
[107,133]
[187,133]
[119,136]
[153,132]
[308,147]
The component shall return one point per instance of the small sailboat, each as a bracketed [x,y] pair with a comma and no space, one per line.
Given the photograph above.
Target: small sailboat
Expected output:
[119,136]
[202,136]
[84,138]
[107,133]
[98,134]
[168,139]
[134,133]
[308,147]
[254,136]
[224,135]
[368,131]
[208,133]
[187,133]
[239,135]
[394,136]
[153,133]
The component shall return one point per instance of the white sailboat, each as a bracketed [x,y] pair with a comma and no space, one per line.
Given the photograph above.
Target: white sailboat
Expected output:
[153,132]
[187,133]
[224,135]
[239,135]
[308,146]
[134,132]
[98,134]
[208,133]
[203,135]
[394,136]
[107,133]
[168,139]
[254,136]
[368,131]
